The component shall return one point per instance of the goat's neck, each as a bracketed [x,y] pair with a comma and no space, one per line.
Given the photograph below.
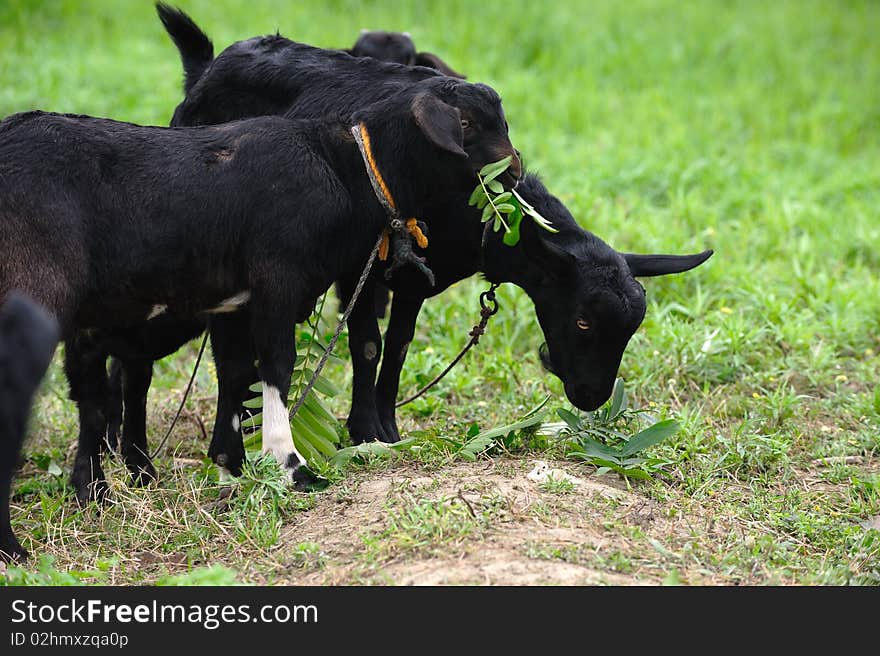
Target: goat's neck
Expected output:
[503,263]
[341,151]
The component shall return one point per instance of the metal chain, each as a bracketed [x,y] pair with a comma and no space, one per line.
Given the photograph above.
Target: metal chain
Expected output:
[476,332]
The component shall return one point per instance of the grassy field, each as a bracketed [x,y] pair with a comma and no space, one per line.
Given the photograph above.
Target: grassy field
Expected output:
[752,128]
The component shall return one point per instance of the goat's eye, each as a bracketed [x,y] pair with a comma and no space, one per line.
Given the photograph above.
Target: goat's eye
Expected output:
[583,324]
[465,124]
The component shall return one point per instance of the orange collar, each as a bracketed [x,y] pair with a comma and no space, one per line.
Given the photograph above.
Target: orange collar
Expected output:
[380,188]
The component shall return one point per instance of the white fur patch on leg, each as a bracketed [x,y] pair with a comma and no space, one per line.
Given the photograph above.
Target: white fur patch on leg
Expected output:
[236,422]
[277,438]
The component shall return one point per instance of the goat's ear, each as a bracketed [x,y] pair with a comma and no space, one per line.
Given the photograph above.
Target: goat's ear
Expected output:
[433,61]
[660,265]
[439,122]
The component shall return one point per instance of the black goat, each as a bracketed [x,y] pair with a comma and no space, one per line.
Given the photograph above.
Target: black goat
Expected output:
[110,224]
[397,47]
[28,336]
[573,277]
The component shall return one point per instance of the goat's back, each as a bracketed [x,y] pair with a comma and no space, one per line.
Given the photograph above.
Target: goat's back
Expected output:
[92,207]
[274,75]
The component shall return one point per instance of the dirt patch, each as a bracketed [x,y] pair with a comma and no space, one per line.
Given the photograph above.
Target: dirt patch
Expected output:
[478,523]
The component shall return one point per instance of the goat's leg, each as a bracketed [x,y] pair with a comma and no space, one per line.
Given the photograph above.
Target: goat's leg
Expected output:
[277,353]
[234,359]
[28,337]
[12,433]
[10,547]
[114,405]
[401,328]
[85,364]
[381,296]
[136,378]
[365,346]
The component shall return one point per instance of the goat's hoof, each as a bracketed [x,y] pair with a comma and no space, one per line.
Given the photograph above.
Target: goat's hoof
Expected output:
[304,480]
[89,489]
[97,491]
[368,436]
[143,474]
[362,429]
[12,552]
[231,467]
[392,435]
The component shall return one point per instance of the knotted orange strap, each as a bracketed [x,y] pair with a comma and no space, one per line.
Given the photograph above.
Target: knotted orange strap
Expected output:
[383,245]
[381,189]
[413,226]
[368,151]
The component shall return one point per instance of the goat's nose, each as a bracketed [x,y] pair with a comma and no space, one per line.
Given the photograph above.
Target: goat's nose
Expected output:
[586,396]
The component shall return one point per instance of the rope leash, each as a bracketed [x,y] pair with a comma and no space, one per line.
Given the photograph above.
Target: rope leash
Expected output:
[329,348]
[477,331]
[189,385]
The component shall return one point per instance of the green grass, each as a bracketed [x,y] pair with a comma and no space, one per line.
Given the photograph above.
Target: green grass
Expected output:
[750,127]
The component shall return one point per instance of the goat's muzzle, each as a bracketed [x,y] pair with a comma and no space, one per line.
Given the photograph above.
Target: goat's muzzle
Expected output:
[585,397]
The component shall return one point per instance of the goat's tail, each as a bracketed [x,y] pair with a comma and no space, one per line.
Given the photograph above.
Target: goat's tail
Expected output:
[196,49]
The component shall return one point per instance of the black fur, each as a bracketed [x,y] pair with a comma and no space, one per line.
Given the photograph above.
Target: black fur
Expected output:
[397,47]
[565,273]
[28,336]
[109,220]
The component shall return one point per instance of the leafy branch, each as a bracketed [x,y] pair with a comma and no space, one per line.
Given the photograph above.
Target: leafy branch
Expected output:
[489,195]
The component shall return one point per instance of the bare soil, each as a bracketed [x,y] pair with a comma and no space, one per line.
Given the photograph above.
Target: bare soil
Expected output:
[482,523]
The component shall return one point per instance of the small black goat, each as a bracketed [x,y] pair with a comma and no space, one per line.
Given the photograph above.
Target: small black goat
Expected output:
[110,224]
[28,336]
[571,272]
[397,47]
